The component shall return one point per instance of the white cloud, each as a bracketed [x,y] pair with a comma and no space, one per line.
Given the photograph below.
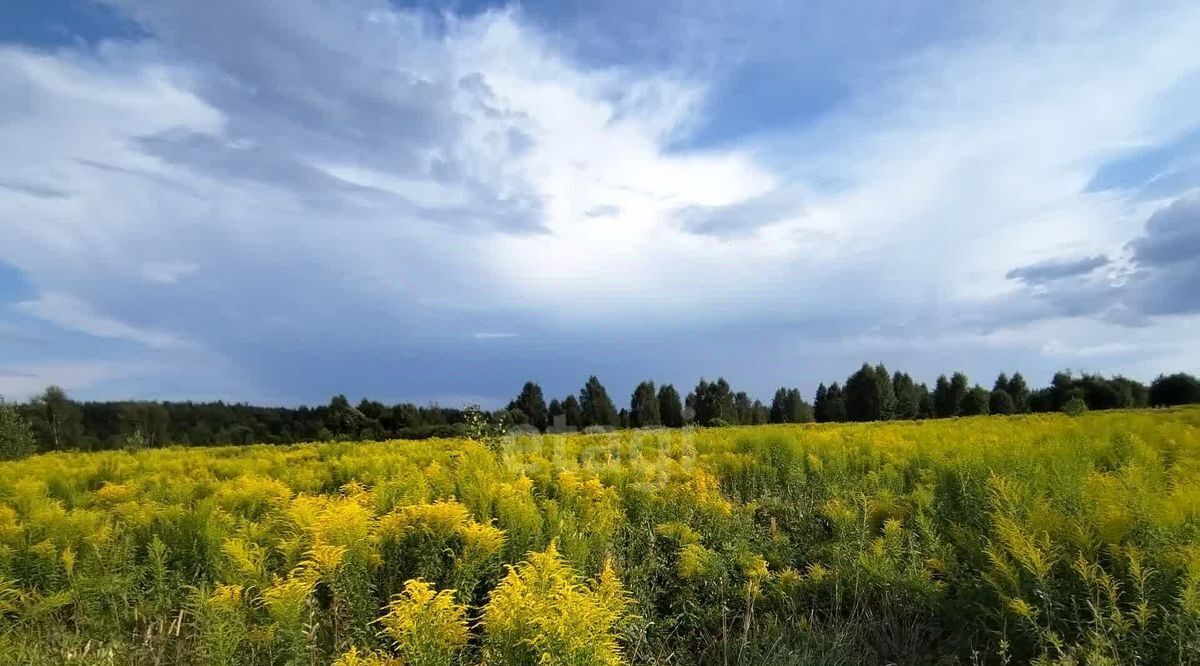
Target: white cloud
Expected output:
[24,380]
[1058,348]
[964,164]
[167,272]
[422,191]
[72,314]
[493,335]
[370,182]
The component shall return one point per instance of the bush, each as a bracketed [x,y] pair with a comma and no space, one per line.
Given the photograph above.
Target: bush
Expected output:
[222,617]
[1074,407]
[428,627]
[541,613]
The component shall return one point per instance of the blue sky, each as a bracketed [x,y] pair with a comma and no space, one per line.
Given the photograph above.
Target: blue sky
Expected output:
[278,201]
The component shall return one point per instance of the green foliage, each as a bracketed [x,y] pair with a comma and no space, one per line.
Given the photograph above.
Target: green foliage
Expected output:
[977,402]
[427,627]
[1074,407]
[145,423]
[870,395]
[16,435]
[908,397]
[60,423]
[1019,391]
[926,408]
[482,427]
[542,614]
[1025,539]
[1001,402]
[948,395]
[1095,391]
[56,419]
[1177,389]
[532,404]
[829,404]
[643,407]
[595,407]
[711,401]
[290,607]
[670,406]
[345,421]
[789,407]
[222,625]
[572,411]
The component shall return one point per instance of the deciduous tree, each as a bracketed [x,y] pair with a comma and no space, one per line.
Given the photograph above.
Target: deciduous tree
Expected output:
[1000,402]
[1177,389]
[975,402]
[57,421]
[16,435]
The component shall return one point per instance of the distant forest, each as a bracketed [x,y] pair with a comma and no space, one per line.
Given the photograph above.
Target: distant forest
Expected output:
[52,421]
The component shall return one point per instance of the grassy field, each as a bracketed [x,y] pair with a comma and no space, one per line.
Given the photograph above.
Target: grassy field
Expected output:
[985,540]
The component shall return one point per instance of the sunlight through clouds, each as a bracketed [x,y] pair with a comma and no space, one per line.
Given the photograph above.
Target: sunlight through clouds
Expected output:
[232,177]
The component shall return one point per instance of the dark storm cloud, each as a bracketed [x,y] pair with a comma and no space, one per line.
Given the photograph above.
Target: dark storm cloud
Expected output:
[1167,261]
[1172,236]
[302,84]
[1056,269]
[1163,277]
[345,167]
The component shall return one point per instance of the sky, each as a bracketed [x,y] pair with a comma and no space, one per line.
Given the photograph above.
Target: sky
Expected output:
[281,200]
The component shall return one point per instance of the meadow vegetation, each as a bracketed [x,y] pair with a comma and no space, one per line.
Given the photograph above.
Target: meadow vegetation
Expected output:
[1038,538]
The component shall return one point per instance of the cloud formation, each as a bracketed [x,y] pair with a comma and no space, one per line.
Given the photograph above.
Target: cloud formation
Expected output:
[1166,261]
[1157,276]
[1172,236]
[1056,269]
[284,200]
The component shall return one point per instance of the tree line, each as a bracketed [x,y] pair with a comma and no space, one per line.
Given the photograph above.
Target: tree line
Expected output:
[54,422]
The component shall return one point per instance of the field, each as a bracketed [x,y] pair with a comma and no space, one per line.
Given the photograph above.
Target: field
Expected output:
[982,540]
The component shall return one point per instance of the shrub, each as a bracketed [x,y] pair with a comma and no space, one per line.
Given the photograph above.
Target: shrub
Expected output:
[288,605]
[1074,407]
[222,618]
[353,657]
[427,627]
[542,614]
[438,542]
